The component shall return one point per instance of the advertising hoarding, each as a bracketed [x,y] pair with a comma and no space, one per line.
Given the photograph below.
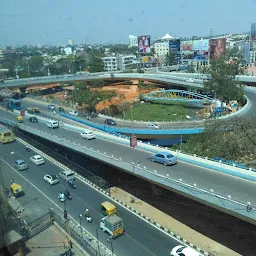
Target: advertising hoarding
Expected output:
[253,31]
[147,59]
[144,44]
[201,55]
[217,48]
[186,45]
[174,45]
[201,45]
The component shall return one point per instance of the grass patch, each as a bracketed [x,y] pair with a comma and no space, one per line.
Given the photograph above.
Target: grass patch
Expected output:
[156,112]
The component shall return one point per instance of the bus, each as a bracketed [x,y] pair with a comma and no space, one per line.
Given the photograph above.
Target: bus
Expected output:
[6,135]
[14,104]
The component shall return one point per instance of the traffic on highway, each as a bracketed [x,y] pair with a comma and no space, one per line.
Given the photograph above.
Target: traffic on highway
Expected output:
[140,238]
[203,177]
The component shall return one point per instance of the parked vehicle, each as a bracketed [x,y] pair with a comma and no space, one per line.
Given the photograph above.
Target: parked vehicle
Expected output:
[33,119]
[20,165]
[16,189]
[53,124]
[37,160]
[108,208]
[51,179]
[164,158]
[87,134]
[73,112]
[109,121]
[67,175]
[113,225]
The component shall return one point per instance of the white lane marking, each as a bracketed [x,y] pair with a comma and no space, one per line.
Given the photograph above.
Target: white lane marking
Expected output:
[57,206]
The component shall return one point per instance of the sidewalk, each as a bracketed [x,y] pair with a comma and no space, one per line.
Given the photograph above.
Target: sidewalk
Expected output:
[201,241]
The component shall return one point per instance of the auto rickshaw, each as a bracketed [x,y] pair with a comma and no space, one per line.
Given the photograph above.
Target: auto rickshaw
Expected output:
[36,110]
[30,111]
[108,208]
[61,109]
[16,189]
[20,119]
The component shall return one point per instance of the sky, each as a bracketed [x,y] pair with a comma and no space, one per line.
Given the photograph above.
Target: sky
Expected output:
[53,22]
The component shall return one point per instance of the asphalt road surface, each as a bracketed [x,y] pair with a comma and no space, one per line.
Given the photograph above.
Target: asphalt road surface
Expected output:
[140,239]
[206,178]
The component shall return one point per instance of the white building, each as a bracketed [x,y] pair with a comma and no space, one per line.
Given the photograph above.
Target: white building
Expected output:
[71,41]
[125,62]
[110,63]
[1,54]
[133,41]
[161,46]
[120,62]
[67,50]
[253,56]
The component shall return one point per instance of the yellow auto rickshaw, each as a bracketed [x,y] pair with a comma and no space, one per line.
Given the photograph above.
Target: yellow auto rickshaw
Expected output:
[30,111]
[108,208]
[16,189]
[36,110]
[20,119]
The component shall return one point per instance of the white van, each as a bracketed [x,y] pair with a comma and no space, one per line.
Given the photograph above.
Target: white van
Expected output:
[67,175]
[53,124]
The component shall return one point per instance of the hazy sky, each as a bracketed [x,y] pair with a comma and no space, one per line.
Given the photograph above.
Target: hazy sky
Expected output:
[102,21]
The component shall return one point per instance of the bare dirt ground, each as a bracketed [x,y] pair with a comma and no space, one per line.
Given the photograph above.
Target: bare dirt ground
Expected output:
[172,224]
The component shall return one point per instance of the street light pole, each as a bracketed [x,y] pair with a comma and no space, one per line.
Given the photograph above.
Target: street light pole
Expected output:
[80,218]
[133,157]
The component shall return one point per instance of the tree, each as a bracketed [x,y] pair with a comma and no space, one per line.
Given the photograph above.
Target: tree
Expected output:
[222,72]
[95,65]
[170,58]
[97,83]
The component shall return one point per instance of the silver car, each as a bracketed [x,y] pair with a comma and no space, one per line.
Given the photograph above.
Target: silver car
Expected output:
[20,165]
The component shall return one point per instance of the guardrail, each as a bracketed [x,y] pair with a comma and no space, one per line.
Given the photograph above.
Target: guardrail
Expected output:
[237,207]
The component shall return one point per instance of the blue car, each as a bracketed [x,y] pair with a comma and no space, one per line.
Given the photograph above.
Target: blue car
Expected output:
[164,158]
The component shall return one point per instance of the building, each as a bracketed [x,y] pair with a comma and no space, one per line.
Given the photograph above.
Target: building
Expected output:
[84,42]
[67,50]
[1,55]
[125,62]
[71,42]
[133,41]
[110,63]
[253,56]
[244,48]
[120,62]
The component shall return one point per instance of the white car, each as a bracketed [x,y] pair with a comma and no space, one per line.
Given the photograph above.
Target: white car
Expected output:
[67,175]
[51,179]
[151,125]
[37,160]
[73,113]
[182,250]
[89,135]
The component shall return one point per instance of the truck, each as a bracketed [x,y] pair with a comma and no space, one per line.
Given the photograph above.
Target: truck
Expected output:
[113,225]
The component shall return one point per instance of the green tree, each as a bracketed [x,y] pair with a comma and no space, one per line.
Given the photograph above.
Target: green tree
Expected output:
[95,65]
[97,83]
[170,58]
[222,72]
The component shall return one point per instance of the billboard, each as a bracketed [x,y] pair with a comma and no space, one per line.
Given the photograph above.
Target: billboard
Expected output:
[253,31]
[174,45]
[217,48]
[144,44]
[147,59]
[186,45]
[201,55]
[201,45]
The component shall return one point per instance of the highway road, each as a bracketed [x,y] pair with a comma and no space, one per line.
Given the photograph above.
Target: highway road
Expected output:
[221,183]
[140,239]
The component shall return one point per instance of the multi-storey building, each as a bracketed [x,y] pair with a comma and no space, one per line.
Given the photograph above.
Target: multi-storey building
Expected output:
[133,41]
[110,63]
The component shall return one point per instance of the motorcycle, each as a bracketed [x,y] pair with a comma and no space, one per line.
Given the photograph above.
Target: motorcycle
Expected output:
[28,148]
[87,216]
[67,195]
[62,197]
[71,183]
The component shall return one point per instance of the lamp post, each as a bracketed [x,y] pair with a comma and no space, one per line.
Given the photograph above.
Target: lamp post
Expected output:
[80,219]
[131,142]
[215,97]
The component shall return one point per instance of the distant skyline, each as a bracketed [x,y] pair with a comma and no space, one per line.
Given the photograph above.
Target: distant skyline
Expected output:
[55,21]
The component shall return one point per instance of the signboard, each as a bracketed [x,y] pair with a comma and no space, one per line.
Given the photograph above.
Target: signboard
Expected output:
[144,44]
[133,141]
[201,45]
[217,48]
